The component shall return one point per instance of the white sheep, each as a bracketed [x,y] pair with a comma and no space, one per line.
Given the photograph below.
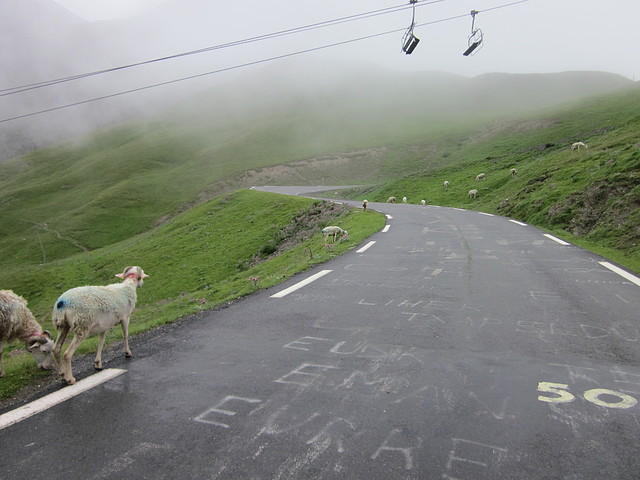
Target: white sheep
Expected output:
[473,193]
[94,310]
[578,145]
[481,176]
[514,172]
[333,231]
[391,200]
[17,322]
[423,202]
[446,184]
[365,203]
[404,199]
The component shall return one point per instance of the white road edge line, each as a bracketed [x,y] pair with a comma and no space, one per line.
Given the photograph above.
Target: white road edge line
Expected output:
[487,214]
[301,284]
[366,247]
[518,223]
[561,242]
[386,228]
[621,272]
[48,401]
[389,216]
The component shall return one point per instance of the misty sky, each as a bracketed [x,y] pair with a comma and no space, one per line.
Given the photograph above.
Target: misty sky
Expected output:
[538,36]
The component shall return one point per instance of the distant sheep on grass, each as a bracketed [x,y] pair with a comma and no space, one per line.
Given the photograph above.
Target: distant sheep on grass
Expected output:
[94,310]
[17,322]
[391,200]
[446,184]
[423,202]
[473,193]
[481,176]
[514,172]
[404,199]
[578,145]
[365,203]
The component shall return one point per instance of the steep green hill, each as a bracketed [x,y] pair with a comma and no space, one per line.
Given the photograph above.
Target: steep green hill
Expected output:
[300,127]
[592,196]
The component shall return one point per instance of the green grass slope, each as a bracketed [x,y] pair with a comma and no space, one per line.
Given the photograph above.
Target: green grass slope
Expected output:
[291,127]
[214,253]
[590,196]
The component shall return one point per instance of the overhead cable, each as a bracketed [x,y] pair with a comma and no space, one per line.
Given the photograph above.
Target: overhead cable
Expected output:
[248,64]
[305,28]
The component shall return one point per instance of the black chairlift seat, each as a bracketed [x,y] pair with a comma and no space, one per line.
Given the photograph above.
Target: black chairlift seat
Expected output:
[471,48]
[410,43]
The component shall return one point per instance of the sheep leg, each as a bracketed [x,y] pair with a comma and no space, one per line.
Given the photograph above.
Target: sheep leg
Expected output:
[57,347]
[125,336]
[68,355]
[97,364]
[1,367]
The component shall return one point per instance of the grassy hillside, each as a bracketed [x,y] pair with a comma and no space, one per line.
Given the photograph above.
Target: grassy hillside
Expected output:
[309,129]
[590,196]
[214,253]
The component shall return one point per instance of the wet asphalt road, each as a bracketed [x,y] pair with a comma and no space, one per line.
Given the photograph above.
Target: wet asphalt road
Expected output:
[457,346]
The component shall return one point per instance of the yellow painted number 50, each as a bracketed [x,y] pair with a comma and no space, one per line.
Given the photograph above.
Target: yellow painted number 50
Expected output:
[594,396]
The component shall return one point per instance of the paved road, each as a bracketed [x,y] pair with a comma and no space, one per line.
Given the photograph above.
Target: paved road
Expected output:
[457,346]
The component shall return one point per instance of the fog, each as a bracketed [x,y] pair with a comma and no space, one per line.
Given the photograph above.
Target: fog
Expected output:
[47,39]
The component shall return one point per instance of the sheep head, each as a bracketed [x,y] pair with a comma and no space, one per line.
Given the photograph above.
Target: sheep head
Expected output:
[41,347]
[135,273]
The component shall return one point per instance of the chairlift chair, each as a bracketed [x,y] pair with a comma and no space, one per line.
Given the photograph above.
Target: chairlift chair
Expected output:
[409,40]
[476,37]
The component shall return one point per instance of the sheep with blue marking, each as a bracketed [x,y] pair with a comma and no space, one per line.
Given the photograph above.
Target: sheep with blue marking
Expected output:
[17,322]
[333,231]
[94,310]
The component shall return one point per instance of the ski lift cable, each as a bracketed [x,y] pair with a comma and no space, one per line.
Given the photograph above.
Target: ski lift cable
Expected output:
[338,21]
[235,67]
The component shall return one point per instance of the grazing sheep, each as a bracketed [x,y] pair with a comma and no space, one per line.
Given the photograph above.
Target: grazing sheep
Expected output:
[94,309]
[481,176]
[578,146]
[473,193]
[391,200]
[17,322]
[514,172]
[364,204]
[446,184]
[333,231]
[423,202]
[404,199]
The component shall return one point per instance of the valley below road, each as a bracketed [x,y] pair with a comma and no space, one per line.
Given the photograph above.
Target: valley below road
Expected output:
[452,344]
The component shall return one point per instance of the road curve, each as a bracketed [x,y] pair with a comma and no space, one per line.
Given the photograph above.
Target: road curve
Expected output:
[452,344]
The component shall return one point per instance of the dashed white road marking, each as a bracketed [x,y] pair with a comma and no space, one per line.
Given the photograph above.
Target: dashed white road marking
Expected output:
[561,242]
[437,271]
[48,401]
[386,228]
[518,223]
[300,284]
[487,214]
[621,272]
[388,216]
[366,247]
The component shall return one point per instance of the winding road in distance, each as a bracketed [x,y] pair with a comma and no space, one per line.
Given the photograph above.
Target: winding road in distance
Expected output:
[450,345]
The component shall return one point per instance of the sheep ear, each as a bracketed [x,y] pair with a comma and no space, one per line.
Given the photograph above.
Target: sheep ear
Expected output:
[119,275]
